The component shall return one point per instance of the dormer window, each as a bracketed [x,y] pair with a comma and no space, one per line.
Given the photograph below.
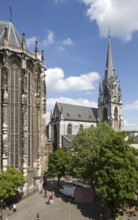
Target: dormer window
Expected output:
[80,115]
[90,116]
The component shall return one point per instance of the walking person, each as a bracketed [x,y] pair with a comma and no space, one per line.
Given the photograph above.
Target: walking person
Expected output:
[10,208]
[50,199]
[14,208]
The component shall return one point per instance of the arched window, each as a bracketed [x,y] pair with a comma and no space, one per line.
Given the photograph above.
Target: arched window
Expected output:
[105,114]
[115,113]
[69,129]
[55,137]
[116,123]
[81,127]
[105,91]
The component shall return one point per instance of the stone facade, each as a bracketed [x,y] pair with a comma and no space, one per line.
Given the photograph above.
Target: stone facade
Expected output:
[110,98]
[22,106]
[66,120]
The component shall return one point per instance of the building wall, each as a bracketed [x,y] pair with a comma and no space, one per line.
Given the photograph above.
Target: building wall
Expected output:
[62,126]
[23,113]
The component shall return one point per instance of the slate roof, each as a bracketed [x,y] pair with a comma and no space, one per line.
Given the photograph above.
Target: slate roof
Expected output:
[69,137]
[14,39]
[78,113]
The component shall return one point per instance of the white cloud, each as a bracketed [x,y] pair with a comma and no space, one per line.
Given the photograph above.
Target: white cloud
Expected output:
[56,81]
[120,15]
[49,40]
[132,106]
[83,102]
[31,41]
[62,45]
[60,48]
[67,42]
[129,126]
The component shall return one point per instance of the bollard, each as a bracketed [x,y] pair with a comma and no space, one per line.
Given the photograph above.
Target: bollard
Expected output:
[37,216]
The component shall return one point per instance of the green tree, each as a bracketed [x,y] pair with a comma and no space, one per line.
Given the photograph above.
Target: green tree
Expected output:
[105,159]
[59,164]
[10,181]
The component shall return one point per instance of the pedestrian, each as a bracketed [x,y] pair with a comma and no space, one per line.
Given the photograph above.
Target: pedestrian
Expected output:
[14,207]
[10,206]
[51,199]
[37,216]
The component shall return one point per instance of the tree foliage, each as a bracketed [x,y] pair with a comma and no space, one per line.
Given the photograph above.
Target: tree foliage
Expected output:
[105,159]
[59,164]
[10,181]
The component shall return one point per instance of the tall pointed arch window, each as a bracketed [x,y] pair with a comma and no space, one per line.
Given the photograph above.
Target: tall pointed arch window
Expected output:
[55,137]
[14,75]
[115,113]
[69,129]
[105,114]
[116,123]
[105,91]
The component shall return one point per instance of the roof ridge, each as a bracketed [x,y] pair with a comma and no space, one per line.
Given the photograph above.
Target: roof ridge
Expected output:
[76,105]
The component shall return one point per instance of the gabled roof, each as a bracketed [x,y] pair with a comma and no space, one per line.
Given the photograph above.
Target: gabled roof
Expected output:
[14,39]
[78,113]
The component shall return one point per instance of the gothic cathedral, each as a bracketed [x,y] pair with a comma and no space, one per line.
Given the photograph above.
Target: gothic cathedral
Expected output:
[22,106]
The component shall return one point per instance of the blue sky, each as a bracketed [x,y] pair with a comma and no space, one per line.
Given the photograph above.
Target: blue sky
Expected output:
[73,34]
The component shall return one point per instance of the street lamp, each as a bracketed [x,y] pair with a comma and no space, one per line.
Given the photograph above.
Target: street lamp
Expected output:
[1,203]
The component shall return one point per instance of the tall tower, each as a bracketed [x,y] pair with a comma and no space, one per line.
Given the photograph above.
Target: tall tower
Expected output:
[110,98]
[22,105]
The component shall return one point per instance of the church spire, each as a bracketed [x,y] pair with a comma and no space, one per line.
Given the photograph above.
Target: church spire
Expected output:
[109,71]
[110,99]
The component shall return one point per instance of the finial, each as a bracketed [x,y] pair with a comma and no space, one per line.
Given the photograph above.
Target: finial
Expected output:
[23,42]
[42,57]
[36,50]
[23,37]
[6,32]
[10,13]
[6,37]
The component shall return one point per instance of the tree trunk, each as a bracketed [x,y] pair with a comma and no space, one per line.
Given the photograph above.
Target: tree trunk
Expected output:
[58,181]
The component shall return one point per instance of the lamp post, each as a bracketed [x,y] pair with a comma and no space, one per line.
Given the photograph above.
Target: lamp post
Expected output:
[1,202]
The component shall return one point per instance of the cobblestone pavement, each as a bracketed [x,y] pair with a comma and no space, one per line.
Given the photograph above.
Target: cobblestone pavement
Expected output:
[127,216]
[61,209]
